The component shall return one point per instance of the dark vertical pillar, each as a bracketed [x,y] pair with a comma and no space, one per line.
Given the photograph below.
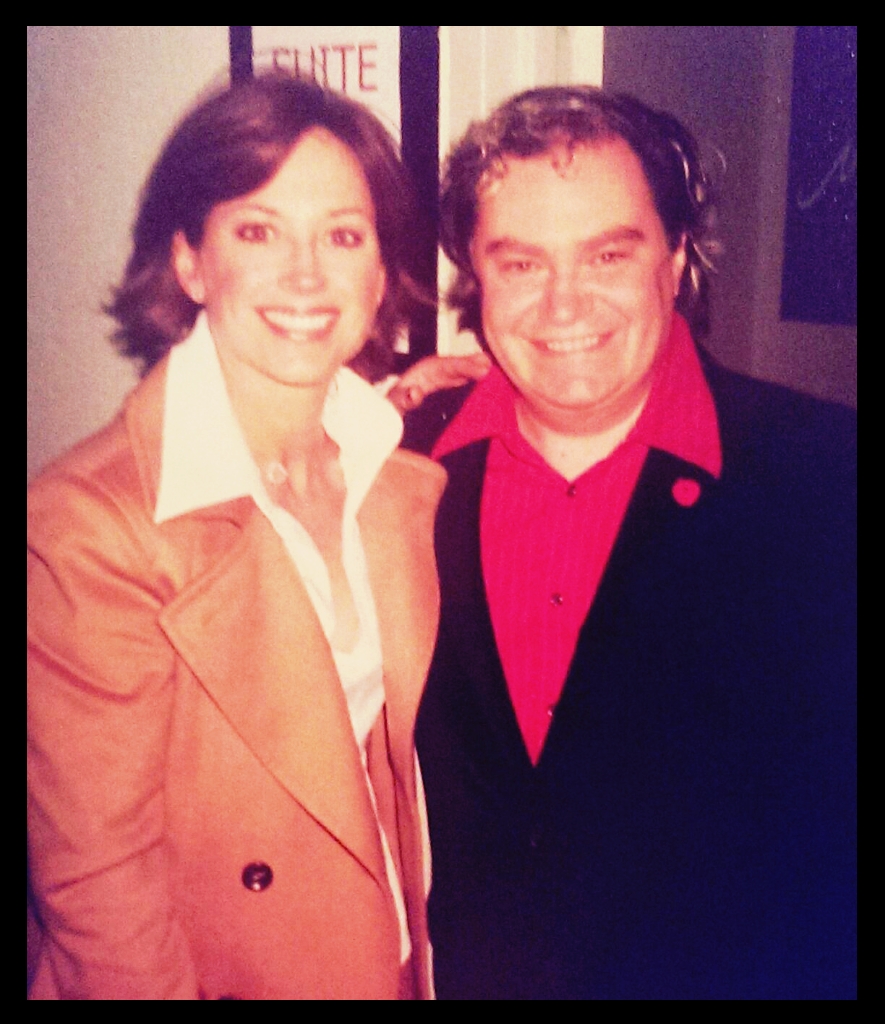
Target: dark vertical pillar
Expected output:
[240,37]
[419,102]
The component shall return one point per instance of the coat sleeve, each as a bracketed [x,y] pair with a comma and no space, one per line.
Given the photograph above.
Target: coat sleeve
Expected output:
[100,692]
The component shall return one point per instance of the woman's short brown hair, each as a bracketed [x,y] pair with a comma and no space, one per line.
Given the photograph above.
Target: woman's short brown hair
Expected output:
[228,146]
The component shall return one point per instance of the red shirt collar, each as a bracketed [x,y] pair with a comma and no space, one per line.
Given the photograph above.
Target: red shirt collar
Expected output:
[679,415]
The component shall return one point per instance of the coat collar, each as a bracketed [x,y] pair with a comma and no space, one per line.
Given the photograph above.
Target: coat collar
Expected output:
[205,459]
[679,415]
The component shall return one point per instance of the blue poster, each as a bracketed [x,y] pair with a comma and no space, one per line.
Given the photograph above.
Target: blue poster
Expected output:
[820,237]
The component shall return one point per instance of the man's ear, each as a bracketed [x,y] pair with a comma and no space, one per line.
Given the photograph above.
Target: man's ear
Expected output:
[680,260]
[186,264]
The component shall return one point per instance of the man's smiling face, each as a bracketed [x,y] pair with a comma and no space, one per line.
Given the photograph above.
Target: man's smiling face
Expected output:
[577,282]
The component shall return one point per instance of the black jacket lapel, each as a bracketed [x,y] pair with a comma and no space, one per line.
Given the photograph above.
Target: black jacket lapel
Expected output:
[465,615]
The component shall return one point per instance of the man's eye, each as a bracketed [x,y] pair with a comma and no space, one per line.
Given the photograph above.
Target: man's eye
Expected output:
[609,257]
[347,238]
[254,233]
[519,268]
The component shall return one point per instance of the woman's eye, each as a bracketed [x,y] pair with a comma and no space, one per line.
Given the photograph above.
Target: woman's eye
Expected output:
[346,238]
[254,232]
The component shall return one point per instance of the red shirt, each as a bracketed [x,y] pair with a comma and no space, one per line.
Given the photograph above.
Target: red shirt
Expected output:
[545,541]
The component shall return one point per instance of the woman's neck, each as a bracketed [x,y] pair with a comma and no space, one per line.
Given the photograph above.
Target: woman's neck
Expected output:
[282,423]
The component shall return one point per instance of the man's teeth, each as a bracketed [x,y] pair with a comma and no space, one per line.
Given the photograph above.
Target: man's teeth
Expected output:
[298,323]
[573,345]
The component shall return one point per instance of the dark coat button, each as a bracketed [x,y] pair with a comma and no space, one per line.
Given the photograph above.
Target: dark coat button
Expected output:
[257,876]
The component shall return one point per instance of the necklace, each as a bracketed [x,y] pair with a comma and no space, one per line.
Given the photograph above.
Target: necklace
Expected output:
[275,473]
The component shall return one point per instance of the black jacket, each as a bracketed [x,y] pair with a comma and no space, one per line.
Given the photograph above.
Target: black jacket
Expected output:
[688,831]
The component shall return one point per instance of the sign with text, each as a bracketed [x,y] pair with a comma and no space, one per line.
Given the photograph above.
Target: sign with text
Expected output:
[362,61]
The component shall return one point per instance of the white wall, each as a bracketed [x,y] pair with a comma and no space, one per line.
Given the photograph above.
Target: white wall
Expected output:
[480,66]
[101,99]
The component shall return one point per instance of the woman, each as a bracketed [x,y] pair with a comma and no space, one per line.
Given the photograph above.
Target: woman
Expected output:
[232,595]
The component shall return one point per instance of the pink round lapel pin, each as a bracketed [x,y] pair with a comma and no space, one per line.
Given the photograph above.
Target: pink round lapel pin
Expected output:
[686,492]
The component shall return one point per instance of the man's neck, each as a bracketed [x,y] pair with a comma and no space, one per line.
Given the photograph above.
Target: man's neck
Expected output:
[572,454]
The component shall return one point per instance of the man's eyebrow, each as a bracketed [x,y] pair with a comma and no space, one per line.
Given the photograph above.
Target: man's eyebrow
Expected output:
[612,236]
[507,244]
[615,235]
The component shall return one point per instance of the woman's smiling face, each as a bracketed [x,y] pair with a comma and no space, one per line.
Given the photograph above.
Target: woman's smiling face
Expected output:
[291,275]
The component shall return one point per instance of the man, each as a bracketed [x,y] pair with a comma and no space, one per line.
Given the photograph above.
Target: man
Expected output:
[636,734]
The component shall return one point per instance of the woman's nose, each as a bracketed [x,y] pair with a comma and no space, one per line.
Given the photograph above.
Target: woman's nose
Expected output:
[302,270]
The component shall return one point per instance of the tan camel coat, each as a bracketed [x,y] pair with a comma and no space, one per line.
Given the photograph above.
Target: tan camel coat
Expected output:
[188,732]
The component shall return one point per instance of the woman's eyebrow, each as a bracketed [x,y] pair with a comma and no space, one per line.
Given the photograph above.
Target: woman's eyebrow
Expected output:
[260,208]
[347,211]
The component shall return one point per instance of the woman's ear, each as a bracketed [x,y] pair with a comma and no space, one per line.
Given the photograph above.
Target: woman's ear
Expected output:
[186,264]
[382,288]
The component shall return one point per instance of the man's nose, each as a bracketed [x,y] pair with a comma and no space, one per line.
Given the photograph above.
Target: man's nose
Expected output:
[302,268]
[565,300]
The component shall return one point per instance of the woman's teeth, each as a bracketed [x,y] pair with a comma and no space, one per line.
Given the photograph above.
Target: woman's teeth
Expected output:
[298,323]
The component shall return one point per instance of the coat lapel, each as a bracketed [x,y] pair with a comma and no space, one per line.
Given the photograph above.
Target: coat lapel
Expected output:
[465,605]
[248,632]
[655,522]
[657,541]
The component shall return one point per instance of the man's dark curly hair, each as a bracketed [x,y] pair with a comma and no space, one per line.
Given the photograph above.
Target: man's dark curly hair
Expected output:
[535,122]
[230,145]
